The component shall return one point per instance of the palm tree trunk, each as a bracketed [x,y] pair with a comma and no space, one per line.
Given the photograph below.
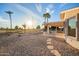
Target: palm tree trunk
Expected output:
[10,21]
[47,20]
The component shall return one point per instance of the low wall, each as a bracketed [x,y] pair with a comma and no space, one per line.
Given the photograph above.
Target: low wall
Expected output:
[73,42]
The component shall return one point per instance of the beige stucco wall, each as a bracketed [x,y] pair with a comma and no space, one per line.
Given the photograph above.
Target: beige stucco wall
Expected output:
[65,15]
[69,13]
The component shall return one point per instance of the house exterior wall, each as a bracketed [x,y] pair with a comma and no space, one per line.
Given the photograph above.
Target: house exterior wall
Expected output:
[77,27]
[69,13]
[65,16]
[66,29]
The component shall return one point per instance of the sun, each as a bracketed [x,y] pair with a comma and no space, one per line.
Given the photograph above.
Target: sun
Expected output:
[29,24]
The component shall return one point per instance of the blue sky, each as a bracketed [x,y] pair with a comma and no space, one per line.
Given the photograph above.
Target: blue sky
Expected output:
[32,11]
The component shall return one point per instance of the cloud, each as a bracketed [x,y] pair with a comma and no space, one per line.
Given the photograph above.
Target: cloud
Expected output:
[49,9]
[2,20]
[29,14]
[63,4]
[52,12]
[38,7]
[50,6]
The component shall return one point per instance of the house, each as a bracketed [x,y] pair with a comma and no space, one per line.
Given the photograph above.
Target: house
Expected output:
[56,25]
[70,23]
[71,27]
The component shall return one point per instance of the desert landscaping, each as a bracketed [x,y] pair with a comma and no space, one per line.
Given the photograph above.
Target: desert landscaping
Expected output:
[33,44]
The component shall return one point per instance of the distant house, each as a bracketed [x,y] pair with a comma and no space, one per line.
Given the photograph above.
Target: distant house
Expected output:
[71,27]
[57,26]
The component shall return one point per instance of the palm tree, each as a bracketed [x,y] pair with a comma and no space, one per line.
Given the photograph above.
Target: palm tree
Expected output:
[46,16]
[24,26]
[10,13]
[38,27]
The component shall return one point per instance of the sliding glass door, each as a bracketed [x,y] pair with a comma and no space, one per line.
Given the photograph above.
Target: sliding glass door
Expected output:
[72,27]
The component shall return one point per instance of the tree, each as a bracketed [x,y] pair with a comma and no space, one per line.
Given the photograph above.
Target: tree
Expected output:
[16,27]
[24,26]
[38,27]
[46,16]
[10,13]
[20,28]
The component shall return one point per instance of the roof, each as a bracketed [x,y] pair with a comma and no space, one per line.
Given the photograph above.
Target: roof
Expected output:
[70,9]
[69,13]
[56,24]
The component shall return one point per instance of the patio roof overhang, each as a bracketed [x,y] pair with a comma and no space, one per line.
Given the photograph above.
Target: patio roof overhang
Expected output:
[55,24]
[69,13]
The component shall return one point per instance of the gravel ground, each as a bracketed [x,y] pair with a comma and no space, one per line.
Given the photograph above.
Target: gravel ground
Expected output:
[64,48]
[33,44]
[28,44]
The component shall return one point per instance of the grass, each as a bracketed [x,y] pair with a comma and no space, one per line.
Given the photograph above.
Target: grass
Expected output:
[19,30]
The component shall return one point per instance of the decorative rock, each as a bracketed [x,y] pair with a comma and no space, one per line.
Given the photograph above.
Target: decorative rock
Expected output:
[55,52]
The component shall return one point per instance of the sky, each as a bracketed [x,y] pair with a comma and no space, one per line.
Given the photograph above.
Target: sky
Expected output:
[23,13]
[72,23]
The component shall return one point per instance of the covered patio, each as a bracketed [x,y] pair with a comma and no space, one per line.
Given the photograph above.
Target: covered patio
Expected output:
[55,26]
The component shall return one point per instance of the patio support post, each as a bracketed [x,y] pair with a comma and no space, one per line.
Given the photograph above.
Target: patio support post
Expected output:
[77,27]
[66,29]
[48,29]
[56,29]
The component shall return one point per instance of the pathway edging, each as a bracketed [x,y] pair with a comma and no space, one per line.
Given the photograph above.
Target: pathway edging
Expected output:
[51,47]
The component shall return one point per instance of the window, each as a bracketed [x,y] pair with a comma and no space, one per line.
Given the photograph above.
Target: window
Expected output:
[72,27]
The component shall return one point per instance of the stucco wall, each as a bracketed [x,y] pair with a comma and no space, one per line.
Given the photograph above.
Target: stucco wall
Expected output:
[65,15]
[69,13]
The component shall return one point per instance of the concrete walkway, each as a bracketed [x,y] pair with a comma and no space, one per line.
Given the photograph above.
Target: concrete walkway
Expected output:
[54,34]
[57,45]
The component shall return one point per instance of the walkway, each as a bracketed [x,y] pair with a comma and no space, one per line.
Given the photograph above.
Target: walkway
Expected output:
[58,46]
